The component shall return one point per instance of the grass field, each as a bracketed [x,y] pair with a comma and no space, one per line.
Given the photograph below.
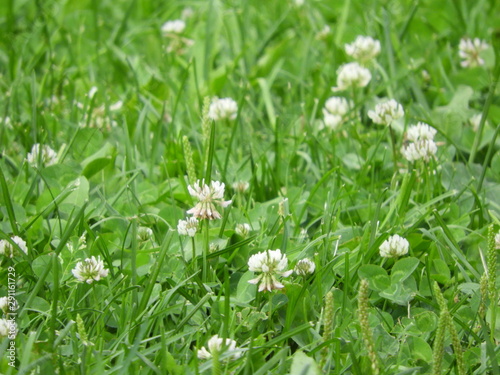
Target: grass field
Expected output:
[247,187]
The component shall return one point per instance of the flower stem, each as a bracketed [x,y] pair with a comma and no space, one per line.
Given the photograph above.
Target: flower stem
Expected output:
[206,248]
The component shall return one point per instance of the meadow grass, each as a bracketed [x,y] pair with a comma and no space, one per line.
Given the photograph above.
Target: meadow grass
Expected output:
[126,108]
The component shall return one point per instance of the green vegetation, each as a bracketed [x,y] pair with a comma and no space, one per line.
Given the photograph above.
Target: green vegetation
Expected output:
[109,131]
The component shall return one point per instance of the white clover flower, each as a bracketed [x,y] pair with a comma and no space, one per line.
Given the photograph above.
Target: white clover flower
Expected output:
[324,33]
[421,131]
[363,49]
[89,270]
[42,153]
[270,263]
[8,328]
[144,234]
[352,75]
[335,111]
[4,303]
[475,121]
[497,241]
[207,196]
[220,109]
[386,112]
[422,144]
[240,186]
[394,246]
[173,27]
[242,230]
[216,344]
[469,50]
[7,249]
[425,150]
[8,304]
[187,13]
[188,227]
[304,267]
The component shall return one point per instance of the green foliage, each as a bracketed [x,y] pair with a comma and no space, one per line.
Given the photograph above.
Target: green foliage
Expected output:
[125,107]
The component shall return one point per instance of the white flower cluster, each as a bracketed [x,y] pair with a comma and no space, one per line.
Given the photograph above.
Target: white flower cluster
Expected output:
[8,328]
[188,227]
[386,112]
[217,344]
[363,49]
[394,246]
[207,196]
[220,109]
[422,145]
[352,75]
[242,230]
[469,51]
[42,153]
[89,270]
[144,234]
[270,263]
[8,304]
[8,250]
[304,267]
[475,121]
[335,111]
[173,27]
[240,186]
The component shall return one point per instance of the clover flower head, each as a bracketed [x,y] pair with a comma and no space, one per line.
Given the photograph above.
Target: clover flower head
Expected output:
[144,234]
[386,112]
[42,153]
[188,227]
[90,270]
[324,33]
[173,27]
[7,249]
[220,109]
[218,344]
[394,246]
[270,263]
[419,132]
[363,49]
[469,51]
[352,75]
[8,304]
[8,328]
[475,121]
[242,230]
[335,111]
[240,186]
[421,150]
[207,197]
[422,145]
[304,267]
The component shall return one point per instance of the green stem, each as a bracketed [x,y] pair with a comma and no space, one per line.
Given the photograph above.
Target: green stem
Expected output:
[206,249]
